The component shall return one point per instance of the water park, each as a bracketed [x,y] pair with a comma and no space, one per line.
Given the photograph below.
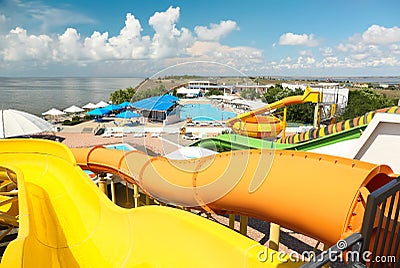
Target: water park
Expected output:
[337,183]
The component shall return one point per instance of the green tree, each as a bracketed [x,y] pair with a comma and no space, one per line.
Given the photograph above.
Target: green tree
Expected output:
[122,95]
[276,93]
[214,91]
[303,113]
[363,101]
[250,94]
[144,94]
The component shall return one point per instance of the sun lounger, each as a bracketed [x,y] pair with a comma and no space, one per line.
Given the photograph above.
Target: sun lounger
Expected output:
[139,135]
[107,135]
[155,135]
[119,135]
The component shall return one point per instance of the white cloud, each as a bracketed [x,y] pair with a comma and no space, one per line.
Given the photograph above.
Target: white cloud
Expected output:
[69,46]
[18,46]
[291,39]
[129,44]
[216,51]
[380,35]
[216,31]
[305,52]
[168,42]
[375,47]
[326,51]
[130,49]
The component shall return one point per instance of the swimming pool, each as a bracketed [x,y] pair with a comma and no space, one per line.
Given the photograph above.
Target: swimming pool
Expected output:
[204,112]
[120,146]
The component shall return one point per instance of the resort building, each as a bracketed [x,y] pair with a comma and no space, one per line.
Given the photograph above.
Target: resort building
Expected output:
[258,88]
[206,86]
[184,92]
[163,109]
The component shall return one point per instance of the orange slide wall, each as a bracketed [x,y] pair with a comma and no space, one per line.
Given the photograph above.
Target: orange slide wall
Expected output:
[318,195]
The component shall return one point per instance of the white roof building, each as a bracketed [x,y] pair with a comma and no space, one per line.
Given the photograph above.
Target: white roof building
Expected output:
[188,92]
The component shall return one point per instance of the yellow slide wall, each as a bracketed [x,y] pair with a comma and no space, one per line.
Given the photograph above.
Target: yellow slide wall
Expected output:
[65,221]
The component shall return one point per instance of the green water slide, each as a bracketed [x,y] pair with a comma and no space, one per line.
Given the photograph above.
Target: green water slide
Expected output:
[227,142]
[311,139]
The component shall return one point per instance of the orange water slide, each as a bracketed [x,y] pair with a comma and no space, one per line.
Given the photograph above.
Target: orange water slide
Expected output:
[320,196]
[253,125]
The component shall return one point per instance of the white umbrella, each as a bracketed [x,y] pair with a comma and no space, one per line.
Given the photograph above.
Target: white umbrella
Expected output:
[89,106]
[240,102]
[15,123]
[101,104]
[53,112]
[73,109]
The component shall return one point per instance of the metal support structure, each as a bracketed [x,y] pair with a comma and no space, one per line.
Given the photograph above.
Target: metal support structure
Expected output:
[136,195]
[232,221]
[103,185]
[274,235]
[127,203]
[243,224]
[284,122]
[113,196]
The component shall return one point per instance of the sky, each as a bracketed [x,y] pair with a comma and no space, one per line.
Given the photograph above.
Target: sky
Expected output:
[146,38]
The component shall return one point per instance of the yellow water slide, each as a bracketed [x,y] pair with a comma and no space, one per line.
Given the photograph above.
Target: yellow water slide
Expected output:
[65,221]
[253,125]
[321,196]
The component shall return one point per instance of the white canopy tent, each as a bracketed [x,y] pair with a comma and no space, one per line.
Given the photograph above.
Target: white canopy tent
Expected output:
[89,106]
[73,109]
[53,112]
[240,102]
[14,123]
[101,104]
[229,98]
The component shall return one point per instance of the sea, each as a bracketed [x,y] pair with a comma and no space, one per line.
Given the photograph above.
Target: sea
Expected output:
[37,95]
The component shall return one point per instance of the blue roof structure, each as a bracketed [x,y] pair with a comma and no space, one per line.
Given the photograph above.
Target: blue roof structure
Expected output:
[157,103]
[98,112]
[112,107]
[124,105]
[127,114]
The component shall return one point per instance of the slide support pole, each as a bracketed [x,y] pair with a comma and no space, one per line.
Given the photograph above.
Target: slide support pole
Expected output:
[274,233]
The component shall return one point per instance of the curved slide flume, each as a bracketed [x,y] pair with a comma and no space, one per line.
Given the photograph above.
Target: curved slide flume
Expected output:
[318,195]
[252,124]
[65,221]
[357,122]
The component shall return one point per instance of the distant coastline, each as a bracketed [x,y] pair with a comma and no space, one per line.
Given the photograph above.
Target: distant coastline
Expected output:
[38,94]
[354,79]
[361,79]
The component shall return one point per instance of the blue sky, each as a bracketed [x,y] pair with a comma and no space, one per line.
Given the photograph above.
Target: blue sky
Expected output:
[143,37]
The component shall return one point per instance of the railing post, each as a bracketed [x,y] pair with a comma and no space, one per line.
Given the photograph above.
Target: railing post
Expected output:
[243,224]
[274,234]
[113,197]
[103,184]
[232,221]
[136,195]
[127,203]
